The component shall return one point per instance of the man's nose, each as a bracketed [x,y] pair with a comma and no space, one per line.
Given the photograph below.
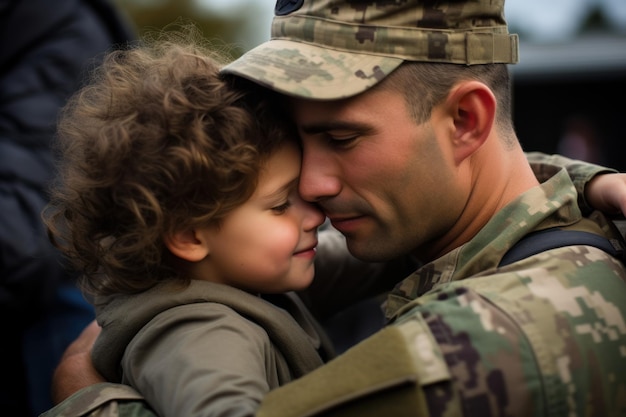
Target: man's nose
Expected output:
[318,177]
[314,217]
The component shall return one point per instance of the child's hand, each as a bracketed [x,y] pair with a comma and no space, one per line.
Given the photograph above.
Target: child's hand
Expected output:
[607,193]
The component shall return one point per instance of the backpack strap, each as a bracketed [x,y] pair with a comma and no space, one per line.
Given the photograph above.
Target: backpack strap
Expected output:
[553,238]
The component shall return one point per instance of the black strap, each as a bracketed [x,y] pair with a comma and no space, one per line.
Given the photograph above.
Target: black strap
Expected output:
[547,239]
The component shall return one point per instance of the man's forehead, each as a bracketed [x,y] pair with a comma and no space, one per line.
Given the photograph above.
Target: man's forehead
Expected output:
[324,115]
[341,117]
[374,97]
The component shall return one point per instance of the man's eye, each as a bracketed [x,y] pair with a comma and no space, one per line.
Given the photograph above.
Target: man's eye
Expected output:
[341,138]
[341,141]
[281,208]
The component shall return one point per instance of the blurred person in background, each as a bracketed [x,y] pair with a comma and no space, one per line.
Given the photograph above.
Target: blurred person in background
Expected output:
[581,140]
[45,49]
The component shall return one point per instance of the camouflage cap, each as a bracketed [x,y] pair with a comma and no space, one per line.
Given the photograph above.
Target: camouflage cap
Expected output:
[330,49]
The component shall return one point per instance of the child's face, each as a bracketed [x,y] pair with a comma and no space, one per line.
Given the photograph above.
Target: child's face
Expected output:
[268,244]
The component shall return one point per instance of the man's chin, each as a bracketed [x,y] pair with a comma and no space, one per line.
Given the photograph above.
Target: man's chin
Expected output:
[367,249]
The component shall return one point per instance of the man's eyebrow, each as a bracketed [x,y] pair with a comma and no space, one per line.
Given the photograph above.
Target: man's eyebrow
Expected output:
[321,127]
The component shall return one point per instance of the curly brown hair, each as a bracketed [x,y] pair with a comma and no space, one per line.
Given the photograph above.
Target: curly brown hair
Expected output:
[155,142]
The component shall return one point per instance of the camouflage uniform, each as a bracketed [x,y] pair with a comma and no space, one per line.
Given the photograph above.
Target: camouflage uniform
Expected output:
[543,336]
[103,400]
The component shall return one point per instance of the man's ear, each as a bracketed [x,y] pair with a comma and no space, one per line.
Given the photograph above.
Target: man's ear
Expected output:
[187,244]
[473,109]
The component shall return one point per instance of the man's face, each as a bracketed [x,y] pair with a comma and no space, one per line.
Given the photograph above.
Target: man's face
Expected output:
[383,180]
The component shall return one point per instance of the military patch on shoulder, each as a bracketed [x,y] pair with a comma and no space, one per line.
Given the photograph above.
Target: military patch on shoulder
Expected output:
[284,7]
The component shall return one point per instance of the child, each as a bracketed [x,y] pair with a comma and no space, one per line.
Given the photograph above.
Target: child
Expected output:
[178,202]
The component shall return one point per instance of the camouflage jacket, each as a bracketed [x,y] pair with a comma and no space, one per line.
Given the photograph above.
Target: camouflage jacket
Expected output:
[542,336]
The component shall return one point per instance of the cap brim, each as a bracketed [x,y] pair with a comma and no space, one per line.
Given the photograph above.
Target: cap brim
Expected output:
[308,71]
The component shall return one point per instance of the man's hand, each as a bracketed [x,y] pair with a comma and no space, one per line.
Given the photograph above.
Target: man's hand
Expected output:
[75,370]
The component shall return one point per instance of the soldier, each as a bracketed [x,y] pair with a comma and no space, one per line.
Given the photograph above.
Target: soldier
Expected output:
[403,108]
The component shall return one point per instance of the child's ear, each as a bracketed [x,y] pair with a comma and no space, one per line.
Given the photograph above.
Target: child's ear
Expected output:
[187,244]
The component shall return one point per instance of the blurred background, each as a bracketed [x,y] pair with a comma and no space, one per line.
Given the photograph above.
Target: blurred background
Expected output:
[569,93]
[569,85]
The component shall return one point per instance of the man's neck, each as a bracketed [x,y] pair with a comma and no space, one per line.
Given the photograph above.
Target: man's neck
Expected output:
[497,178]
